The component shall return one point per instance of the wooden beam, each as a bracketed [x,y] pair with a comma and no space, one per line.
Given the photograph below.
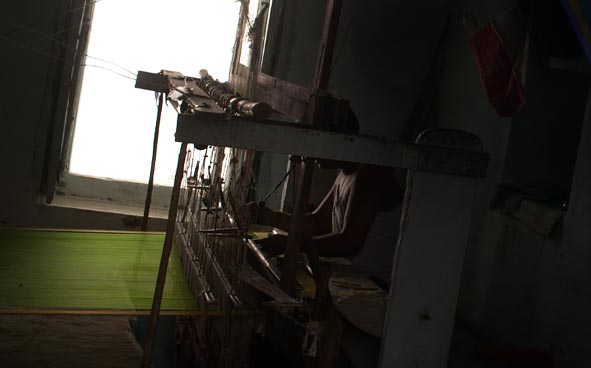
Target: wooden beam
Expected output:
[327,44]
[297,224]
[166,250]
[292,90]
[434,232]
[302,140]
[283,96]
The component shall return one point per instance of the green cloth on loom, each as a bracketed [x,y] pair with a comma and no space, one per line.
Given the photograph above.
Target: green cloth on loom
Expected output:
[87,270]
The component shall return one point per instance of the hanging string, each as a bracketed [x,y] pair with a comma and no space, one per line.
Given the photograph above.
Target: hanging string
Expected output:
[291,168]
[51,56]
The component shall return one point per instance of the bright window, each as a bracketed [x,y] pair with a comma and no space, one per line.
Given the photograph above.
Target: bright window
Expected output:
[115,122]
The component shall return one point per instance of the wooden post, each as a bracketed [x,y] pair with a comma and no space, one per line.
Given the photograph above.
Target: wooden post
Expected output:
[328,40]
[166,249]
[153,165]
[298,218]
[428,263]
[303,187]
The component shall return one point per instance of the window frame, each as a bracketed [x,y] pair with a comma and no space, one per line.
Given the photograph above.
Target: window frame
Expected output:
[62,181]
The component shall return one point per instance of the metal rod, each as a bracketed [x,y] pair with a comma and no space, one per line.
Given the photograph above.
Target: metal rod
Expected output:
[192,269]
[166,249]
[268,267]
[153,165]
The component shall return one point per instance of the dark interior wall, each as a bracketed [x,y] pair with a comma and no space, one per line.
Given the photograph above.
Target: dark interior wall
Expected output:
[25,106]
[544,136]
[30,78]
[519,289]
[374,55]
[377,66]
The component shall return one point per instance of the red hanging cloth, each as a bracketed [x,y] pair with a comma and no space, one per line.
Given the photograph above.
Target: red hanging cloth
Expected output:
[497,72]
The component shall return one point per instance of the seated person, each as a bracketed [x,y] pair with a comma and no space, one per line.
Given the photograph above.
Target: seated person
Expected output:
[358,219]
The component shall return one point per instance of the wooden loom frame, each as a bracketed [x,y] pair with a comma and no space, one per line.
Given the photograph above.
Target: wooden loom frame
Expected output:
[302,104]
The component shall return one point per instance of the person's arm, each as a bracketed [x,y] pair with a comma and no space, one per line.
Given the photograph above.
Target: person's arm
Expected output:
[320,219]
[262,215]
[362,207]
[319,222]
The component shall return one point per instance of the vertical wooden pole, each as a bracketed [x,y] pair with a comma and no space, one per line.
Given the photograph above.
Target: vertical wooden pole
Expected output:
[166,249]
[327,44]
[153,165]
[298,218]
[434,232]
[303,187]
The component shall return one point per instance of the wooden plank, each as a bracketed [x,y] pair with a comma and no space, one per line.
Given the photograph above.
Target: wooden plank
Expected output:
[275,20]
[283,96]
[148,201]
[302,140]
[428,264]
[296,226]
[287,88]
[327,44]
[164,259]
[282,102]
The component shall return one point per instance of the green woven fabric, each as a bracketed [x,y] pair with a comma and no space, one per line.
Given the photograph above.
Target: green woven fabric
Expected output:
[87,270]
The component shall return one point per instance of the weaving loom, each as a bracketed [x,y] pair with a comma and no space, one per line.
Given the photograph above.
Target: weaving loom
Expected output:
[215,244]
[213,235]
[220,127]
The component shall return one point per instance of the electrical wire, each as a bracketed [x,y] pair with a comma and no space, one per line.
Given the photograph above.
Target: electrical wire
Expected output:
[107,69]
[25,27]
[62,43]
[110,62]
[51,56]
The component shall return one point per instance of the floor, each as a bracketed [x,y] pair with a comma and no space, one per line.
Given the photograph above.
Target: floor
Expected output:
[67,341]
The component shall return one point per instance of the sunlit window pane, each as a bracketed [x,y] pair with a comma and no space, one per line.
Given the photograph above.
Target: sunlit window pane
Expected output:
[115,122]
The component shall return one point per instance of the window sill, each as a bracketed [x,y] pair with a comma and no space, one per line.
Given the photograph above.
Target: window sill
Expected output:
[106,206]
